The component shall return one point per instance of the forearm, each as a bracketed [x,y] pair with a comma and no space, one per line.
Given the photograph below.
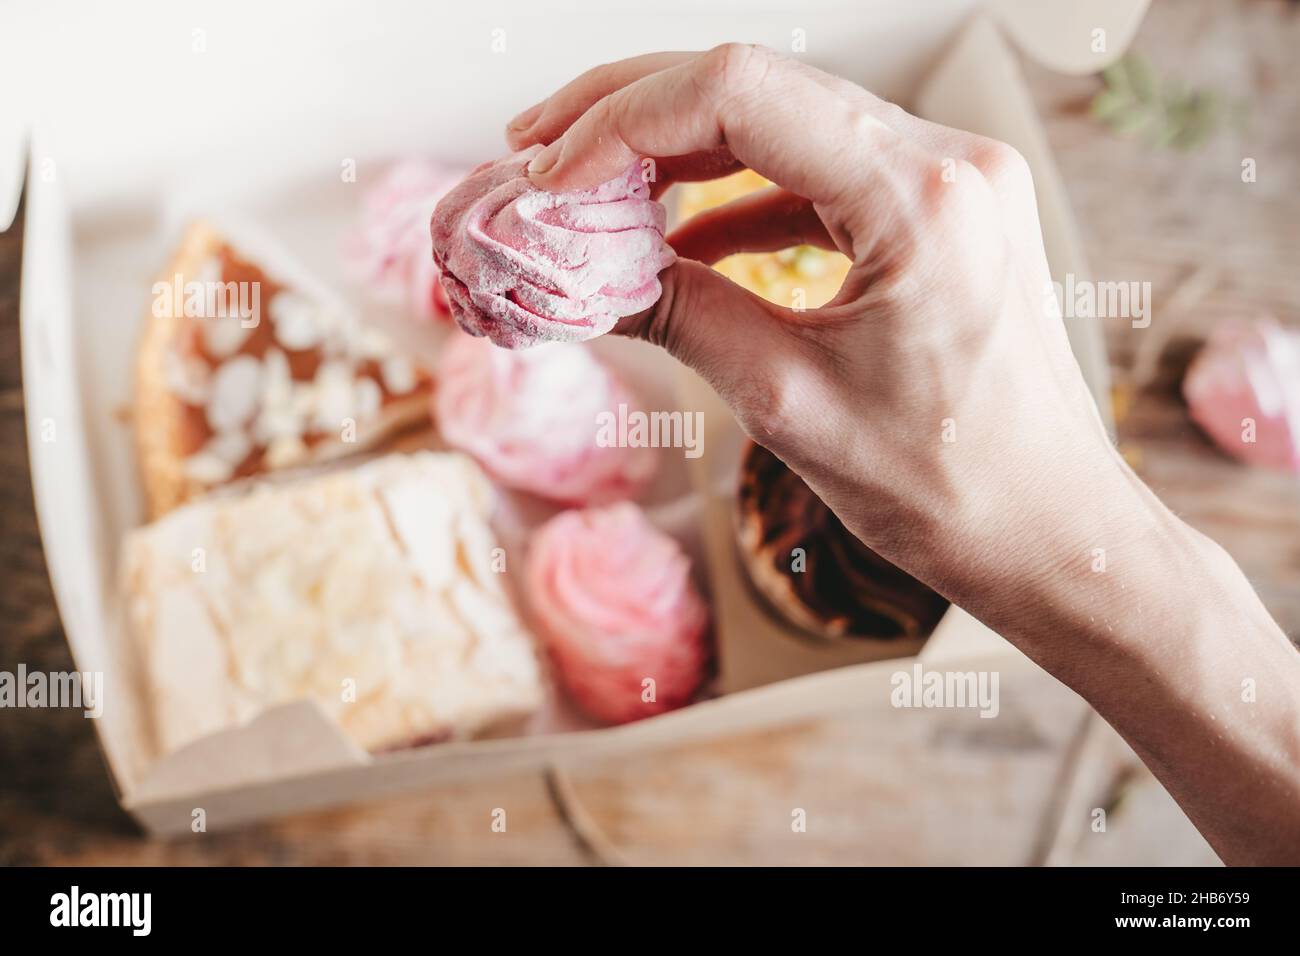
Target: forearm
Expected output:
[1030,521]
[1164,636]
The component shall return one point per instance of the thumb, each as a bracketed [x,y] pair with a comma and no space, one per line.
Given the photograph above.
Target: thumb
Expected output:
[707,322]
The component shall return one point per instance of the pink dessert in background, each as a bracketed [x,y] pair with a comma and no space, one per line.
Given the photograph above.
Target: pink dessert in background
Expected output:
[389,250]
[614,605]
[1249,372]
[530,419]
[521,265]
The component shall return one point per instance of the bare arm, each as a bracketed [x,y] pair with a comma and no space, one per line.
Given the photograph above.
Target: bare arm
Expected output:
[1026,516]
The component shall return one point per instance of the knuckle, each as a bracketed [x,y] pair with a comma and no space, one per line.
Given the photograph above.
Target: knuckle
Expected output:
[891,114]
[770,408]
[955,190]
[1000,163]
[845,89]
[613,115]
[866,123]
[737,67]
[777,395]
[662,326]
[612,110]
[601,76]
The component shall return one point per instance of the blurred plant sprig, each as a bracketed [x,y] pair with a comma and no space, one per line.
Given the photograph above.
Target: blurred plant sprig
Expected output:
[1163,113]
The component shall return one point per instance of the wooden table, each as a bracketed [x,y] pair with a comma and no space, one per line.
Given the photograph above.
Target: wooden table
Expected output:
[1211,246]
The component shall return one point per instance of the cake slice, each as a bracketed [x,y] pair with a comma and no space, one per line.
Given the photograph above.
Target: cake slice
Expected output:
[368,590]
[242,371]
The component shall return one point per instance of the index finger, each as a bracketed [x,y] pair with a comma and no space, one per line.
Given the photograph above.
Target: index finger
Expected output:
[773,115]
[546,120]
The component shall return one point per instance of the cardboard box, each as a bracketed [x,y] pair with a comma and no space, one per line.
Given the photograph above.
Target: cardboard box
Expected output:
[257,108]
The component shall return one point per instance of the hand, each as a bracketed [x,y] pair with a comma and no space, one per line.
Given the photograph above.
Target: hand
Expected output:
[934,404]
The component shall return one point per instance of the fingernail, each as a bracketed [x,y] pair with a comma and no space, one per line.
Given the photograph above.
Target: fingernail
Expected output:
[544,161]
[526,119]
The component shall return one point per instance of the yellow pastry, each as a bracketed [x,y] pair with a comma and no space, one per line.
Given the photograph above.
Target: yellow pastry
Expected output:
[774,275]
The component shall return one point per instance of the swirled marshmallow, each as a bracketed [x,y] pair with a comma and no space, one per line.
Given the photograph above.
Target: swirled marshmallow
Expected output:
[530,419]
[614,605]
[521,265]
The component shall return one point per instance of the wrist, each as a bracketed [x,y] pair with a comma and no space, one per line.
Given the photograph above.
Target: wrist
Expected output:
[1168,642]
[1055,550]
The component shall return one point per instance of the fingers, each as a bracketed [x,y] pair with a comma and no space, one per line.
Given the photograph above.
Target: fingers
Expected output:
[694,167]
[759,222]
[775,117]
[546,120]
[750,107]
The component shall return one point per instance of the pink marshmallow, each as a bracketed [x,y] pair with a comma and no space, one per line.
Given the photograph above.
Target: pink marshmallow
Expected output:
[521,265]
[389,250]
[1243,389]
[615,607]
[531,420]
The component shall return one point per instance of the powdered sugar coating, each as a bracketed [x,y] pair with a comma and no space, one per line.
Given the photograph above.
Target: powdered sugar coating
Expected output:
[521,265]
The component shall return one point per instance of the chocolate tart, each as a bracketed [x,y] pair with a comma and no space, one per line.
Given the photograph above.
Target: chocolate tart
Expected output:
[838,588]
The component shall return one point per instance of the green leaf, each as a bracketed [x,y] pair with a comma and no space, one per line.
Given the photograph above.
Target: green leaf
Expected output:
[1141,78]
[1109,103]
[1164,114]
